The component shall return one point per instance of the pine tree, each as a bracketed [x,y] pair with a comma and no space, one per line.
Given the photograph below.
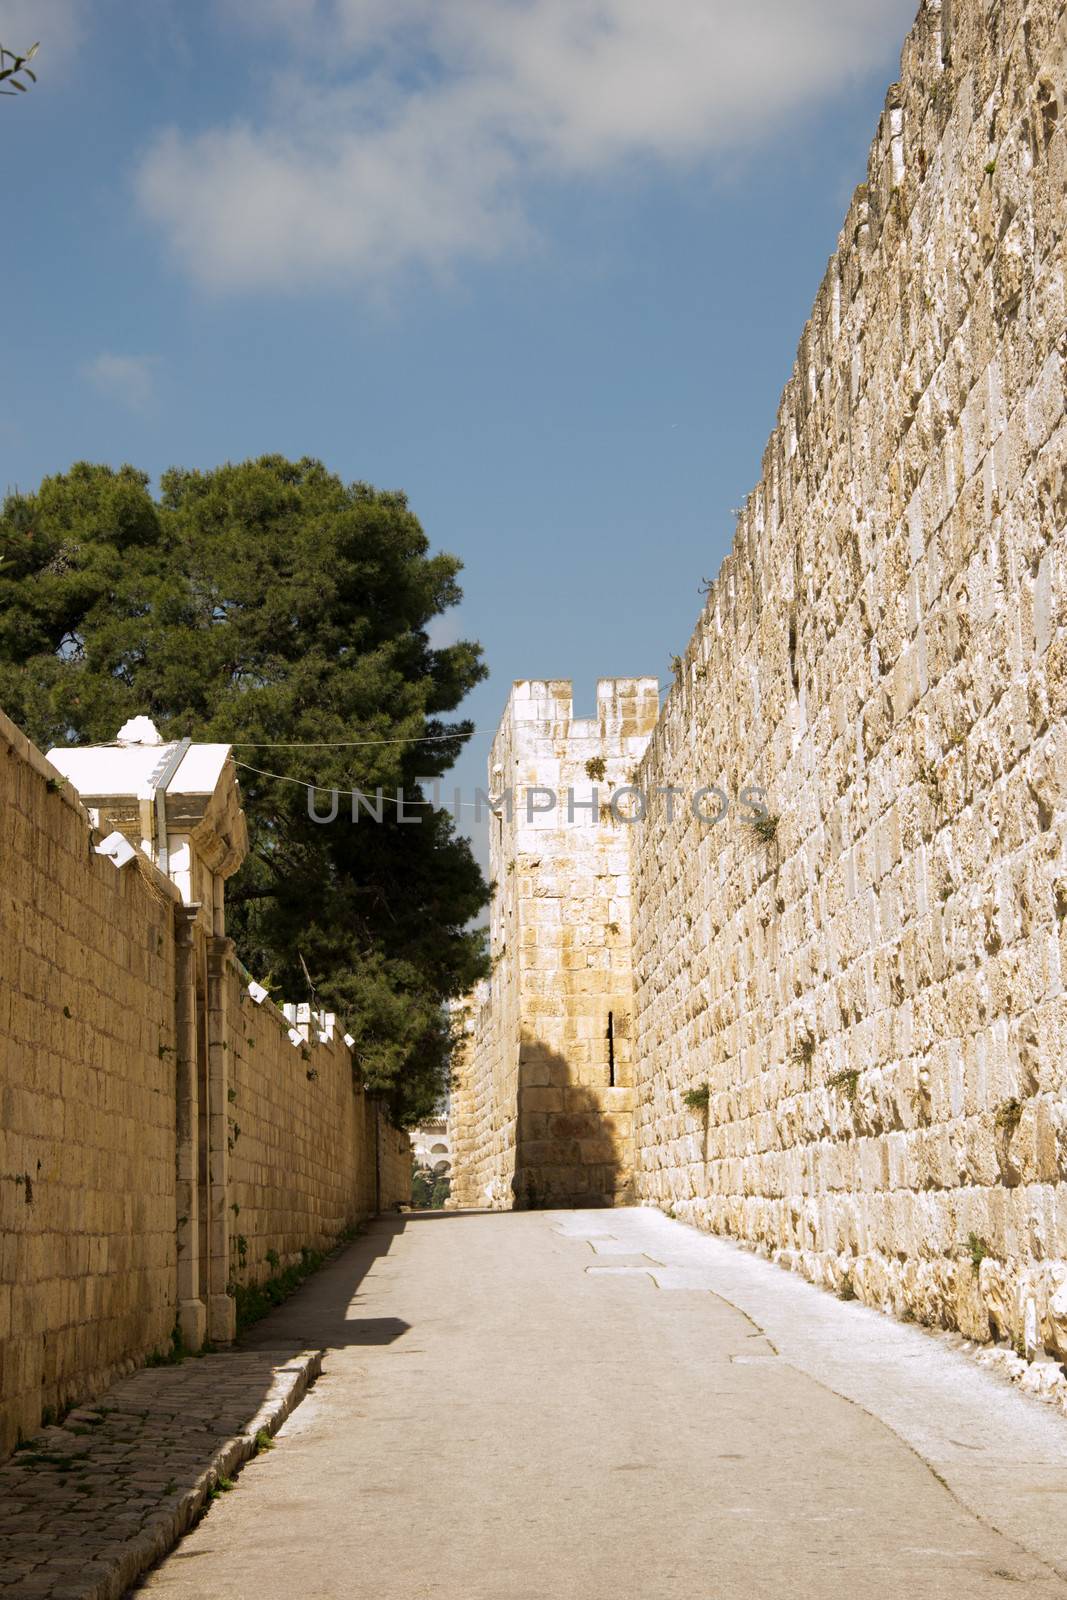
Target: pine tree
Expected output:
[270,606]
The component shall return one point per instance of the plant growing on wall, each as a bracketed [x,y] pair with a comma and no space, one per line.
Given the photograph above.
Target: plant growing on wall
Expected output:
[764,825]
[803,1051]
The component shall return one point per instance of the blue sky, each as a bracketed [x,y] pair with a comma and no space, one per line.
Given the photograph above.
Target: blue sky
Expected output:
[541,263]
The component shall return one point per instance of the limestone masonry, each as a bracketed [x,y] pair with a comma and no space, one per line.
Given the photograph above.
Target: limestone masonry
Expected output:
[863,996]
[164,1139]
[543,1111]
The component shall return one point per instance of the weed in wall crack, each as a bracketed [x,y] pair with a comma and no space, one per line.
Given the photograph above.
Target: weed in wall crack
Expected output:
[803,1052]
[978,1250]
[930,781]
[846,1081]
[1008,1115]
[765,826]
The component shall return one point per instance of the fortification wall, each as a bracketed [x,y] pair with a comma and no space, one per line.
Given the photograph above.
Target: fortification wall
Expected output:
[87,1127]
[311,1153]
[542,1103]
[282,1145]
[476,1127]
[874,995]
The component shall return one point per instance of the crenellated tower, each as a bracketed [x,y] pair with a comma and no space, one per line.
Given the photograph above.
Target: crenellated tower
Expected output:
[544,1100]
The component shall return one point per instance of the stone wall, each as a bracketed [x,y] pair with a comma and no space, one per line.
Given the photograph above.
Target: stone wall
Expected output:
[849,1014]
[873,991]
[311,1152]
[542,1103]
[480,1118]
[283,1148]
[87,1134]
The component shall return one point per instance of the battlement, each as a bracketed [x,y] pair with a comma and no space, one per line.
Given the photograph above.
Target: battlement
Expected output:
[550,702]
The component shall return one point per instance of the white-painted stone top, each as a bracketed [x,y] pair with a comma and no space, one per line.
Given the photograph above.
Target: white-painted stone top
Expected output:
[128,769]
[191,824]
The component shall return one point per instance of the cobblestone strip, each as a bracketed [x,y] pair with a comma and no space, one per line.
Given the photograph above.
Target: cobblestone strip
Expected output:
[86,1508]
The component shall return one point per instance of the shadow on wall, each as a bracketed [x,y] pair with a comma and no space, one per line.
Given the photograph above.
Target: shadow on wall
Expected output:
[572,1139]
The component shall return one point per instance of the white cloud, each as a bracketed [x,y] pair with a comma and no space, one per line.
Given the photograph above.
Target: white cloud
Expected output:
[407,131]
[128,379]
[57,24]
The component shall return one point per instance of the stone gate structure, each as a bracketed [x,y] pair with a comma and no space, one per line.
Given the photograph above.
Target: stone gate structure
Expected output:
[849,1026]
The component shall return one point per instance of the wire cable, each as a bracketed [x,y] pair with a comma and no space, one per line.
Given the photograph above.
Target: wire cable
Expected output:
[348,744]
[328,788]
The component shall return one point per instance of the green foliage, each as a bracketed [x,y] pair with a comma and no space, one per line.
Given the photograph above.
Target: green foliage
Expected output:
[270,603]
[847,1290]
[697,1099]
[977,1249]
[596,768]
[803,1052]
[765,826]
[14,67]
[173,1355]
[428,1190]
[254,1300]
[847,1081]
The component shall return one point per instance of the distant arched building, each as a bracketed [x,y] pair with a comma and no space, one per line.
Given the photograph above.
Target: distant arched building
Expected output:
[432,1146]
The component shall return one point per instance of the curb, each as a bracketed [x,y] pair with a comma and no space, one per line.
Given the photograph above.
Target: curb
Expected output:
[165,1530]
[113,1572]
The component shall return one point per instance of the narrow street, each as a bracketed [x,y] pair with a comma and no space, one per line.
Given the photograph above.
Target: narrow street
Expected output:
[554,1404]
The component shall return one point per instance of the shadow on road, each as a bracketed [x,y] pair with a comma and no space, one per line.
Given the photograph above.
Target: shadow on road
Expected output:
[323,1313]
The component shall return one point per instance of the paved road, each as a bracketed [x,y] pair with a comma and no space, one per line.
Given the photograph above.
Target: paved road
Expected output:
[610,1406]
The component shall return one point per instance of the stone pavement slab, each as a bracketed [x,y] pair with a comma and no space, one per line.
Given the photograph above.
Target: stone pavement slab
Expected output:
[88,1506]
[501,1418]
